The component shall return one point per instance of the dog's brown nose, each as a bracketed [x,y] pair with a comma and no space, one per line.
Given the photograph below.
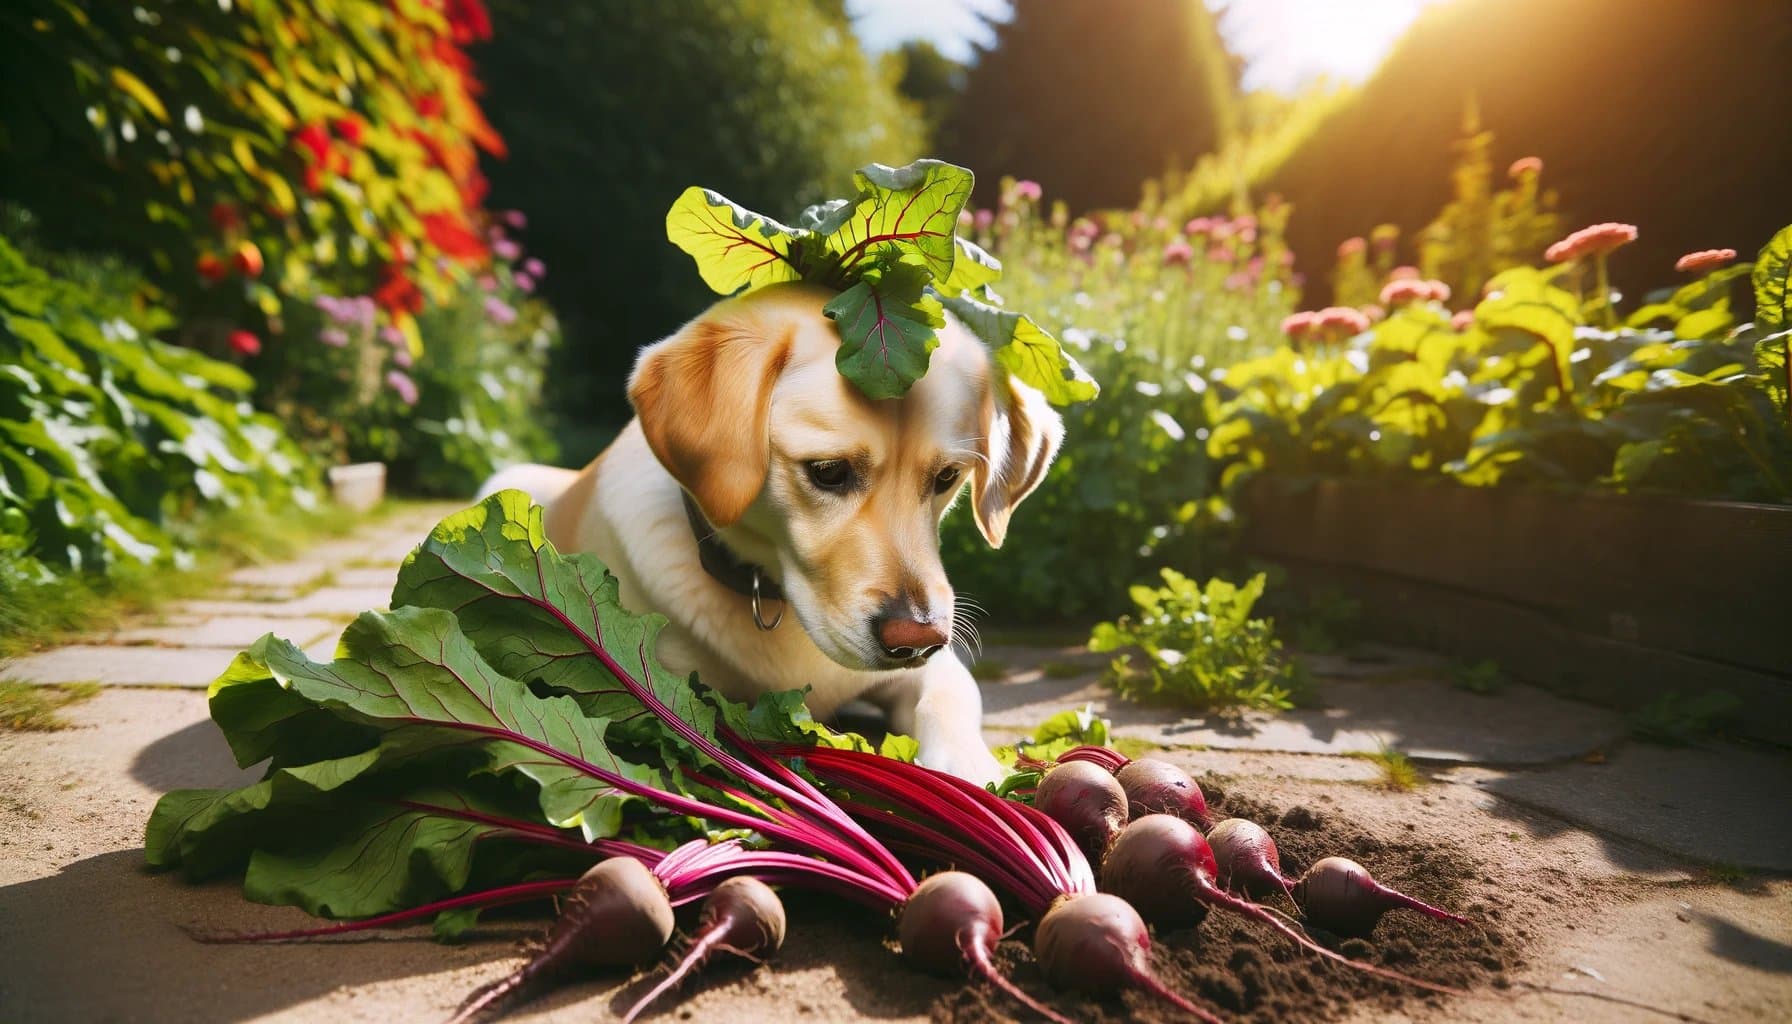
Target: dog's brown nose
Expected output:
[903,636]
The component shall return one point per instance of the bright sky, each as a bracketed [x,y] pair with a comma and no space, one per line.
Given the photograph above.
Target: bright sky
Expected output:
[1285,43]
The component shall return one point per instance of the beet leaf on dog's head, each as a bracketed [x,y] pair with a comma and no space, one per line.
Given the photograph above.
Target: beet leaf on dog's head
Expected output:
[894,254]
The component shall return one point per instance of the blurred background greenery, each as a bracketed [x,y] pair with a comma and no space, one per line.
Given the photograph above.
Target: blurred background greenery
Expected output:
[248,240]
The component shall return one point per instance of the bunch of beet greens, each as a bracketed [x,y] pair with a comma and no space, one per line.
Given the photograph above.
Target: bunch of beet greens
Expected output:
[505,734]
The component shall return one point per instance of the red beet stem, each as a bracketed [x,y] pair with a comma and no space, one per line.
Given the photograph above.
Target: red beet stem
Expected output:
[498,897]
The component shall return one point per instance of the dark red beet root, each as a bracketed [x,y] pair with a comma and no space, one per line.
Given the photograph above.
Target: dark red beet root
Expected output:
[616,916]
[1247,859]
[1097,944]
[1087,801]
[742,916]
[1130,871]
[1339,895]
[950,927]
[1159,787]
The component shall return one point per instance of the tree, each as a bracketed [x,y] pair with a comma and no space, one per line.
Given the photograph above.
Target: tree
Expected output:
[1093,99]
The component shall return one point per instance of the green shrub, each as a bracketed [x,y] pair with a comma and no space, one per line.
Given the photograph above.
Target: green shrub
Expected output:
[1145,305]
[111,442]
[1202,648]
[613,110]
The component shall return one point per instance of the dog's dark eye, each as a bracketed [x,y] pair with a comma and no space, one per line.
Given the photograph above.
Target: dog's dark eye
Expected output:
[945,480]
[830,474]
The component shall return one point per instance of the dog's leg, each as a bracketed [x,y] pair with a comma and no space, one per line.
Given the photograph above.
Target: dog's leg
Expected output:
[942,708]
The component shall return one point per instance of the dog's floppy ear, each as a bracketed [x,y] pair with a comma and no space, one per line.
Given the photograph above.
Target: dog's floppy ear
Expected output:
[1021,434]
[703,396]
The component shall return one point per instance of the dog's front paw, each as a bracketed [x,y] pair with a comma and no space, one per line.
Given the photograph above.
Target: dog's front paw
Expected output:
[969,760]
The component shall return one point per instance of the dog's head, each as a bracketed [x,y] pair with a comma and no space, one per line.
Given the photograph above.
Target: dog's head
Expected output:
[840,495]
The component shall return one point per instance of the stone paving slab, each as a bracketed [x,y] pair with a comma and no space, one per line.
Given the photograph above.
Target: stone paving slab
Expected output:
[226,631]
[120,666]
[287,576]
[381,578]
[340,601]
[1424,718]
[1721,804]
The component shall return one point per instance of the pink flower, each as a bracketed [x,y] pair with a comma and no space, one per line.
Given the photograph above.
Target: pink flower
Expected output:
[515,218]
[499,311]
[1593,240]
[1178,254]
[534,268]
[1402,290]
[488,283]
[402,383]
[335,337]
[1239,281]
[1440,292]
[965,220]
[1028,189]
[1404,274]
[1199,226]
[1463,320]
[1703,260]
[1084,227]
[1376,314]
[524,282]
[1343,319]
[506,250]
[984,218]
[1525,165]
[401,357]
[1351,247]
[391,335]
[1221,254]
[1299,325]
[1245,222]
[245,343]
[1160,224]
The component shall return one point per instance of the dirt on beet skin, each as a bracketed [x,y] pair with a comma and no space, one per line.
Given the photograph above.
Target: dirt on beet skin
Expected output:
[1246,972]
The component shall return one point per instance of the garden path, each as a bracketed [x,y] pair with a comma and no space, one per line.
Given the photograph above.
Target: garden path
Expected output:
[1628,874]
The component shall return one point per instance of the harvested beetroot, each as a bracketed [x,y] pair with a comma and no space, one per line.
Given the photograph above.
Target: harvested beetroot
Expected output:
[1340,895]
[1247,859]
[742,916]
[1098,945]
[1087,801]
[1159,787]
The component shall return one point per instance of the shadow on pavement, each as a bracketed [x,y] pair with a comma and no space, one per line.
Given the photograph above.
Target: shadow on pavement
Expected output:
[195,757]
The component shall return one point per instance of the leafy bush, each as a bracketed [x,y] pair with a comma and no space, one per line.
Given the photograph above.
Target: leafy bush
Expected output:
[1145,305]
[1202,648]
[442,420]
[1538,385]
[111,441]
[612,110]
[252,150]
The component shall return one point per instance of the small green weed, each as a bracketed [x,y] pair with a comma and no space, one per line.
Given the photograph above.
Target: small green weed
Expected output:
[1398,773]
[1484,677]
[1676,719]
[26,707]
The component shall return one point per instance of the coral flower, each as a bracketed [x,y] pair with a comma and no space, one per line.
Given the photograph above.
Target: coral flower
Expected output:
[1352,247]
[1299,325]
[1402,290]
[1705,259]
[1178,254]
[1463,320]
[1404,274]
[1343,318]
[1376,314]
[1440,292]
[1524,166]
[1594,240]
[402,383]
[1198,226]
[244,343]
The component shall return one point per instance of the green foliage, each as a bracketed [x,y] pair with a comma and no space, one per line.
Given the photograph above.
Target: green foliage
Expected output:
[1272,130]
[1532,391]
[1147,305]
[1202,648]
[442,422]
[29,707]
[491,687]
[1397,772]
[1093,99]
[612,110]
[894,254]
[1485,230]
[251,150]
[111,441]
[930,80]
[1676,719]
[1484,677]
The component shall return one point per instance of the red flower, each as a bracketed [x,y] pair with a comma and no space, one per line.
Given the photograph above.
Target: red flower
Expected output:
[429,106]
[1343,319]
[468,21]
[1703,260]
[1402,290]
[348,129]
[248,259]
[211,267]
[225,217]
[396,293]
[449,233]
[1594,240]
[314,138]
[314,179]
[1463,320]
[245,343]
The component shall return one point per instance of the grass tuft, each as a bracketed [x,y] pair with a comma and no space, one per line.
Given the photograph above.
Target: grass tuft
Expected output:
[1398,773]
[26,707]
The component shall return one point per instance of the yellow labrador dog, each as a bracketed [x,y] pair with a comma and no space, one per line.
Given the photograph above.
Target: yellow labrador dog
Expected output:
[756,485]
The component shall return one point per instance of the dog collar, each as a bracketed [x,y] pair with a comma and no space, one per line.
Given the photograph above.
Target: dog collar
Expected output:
[726,567]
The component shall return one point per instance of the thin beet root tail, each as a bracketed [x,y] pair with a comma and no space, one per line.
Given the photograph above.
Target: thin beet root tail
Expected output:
[493,997]
[701,947]
[1262,916]
[1400,899]
[1148,982]
[976,945]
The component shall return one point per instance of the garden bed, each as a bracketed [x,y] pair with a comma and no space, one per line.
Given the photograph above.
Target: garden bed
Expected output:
[1619,600]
